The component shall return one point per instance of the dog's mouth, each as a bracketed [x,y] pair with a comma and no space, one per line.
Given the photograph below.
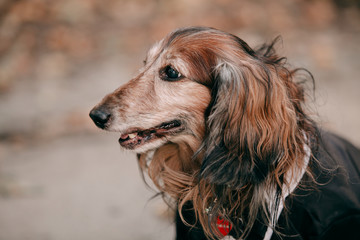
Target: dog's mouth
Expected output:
[135,138]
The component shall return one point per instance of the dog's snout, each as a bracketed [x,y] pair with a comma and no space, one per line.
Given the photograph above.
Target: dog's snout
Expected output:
[100,116]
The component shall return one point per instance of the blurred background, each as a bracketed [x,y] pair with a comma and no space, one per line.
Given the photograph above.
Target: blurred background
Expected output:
[63,179]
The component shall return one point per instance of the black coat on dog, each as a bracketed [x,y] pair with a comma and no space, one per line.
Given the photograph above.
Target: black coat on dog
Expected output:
[328,210]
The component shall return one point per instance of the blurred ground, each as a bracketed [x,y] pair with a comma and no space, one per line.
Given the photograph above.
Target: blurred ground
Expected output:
[60,177]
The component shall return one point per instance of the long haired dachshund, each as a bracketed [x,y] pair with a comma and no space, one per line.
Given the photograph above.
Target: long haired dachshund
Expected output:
[222,132]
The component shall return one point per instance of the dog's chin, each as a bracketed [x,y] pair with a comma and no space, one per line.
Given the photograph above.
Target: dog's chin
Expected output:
[141,140]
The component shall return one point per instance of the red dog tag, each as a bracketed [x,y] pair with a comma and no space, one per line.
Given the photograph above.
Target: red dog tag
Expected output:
[223,225]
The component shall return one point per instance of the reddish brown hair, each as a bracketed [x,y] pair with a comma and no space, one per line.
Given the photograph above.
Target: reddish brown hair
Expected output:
[252,133]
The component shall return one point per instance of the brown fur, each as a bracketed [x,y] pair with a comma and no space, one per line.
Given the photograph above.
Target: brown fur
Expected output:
[245,127]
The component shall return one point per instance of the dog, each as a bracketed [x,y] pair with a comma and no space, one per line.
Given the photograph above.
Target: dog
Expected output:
[221,129]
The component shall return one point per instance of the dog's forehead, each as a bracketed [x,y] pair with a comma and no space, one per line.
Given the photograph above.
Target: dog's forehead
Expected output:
[182,39]
[161,52]
[155,50]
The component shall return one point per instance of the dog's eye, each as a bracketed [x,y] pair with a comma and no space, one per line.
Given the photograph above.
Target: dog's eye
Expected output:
[170,74]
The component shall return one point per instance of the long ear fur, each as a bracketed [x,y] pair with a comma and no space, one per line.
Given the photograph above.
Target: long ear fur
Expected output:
[250,124]
[255,134]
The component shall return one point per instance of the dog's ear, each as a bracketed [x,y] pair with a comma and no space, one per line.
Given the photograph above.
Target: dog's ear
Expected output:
[248,123]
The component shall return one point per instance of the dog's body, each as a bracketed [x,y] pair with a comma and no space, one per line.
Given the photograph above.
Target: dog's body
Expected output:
[221,130]
[331,211]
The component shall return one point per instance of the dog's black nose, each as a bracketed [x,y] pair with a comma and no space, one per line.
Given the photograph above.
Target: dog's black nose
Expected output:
[100,116]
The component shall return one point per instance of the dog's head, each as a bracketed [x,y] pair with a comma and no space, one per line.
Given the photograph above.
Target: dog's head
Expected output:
[205,86]
[168,98]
